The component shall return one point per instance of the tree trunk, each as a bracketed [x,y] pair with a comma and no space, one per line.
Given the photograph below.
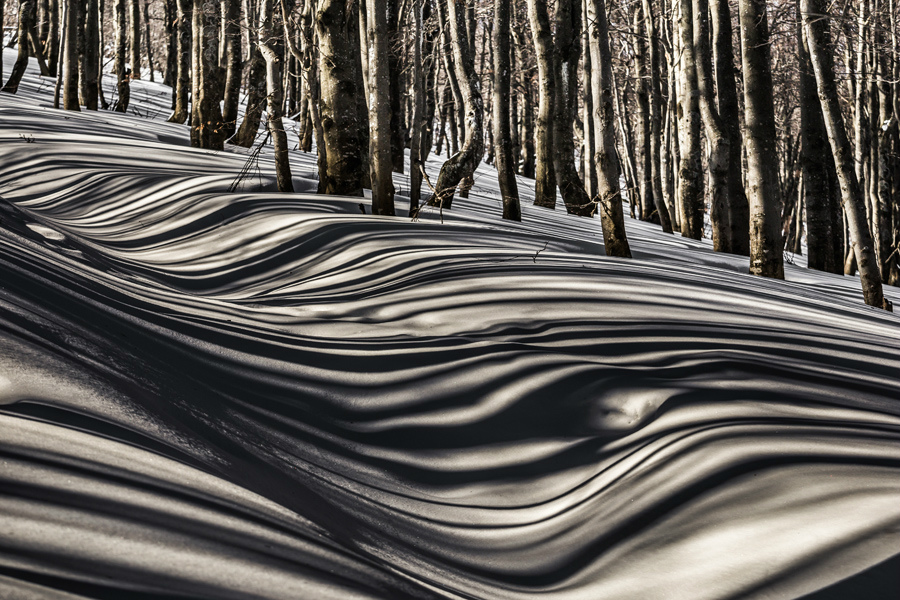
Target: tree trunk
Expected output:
[122,76]
[860,239]
[463,163]
[269,47]
[542,36]
[716,136]
[207,128]
[70,57]
[231,10]
[655,118]
[134,37]
[766,256]
[642,68]
[379,96]
[148,40]
[610,200]
[90,66]
[53,41]
[416,142]
[566,51]
[341,166]
[392,43]
[26,20]
[506,169]
[183,79]
[690,174]
[171,16]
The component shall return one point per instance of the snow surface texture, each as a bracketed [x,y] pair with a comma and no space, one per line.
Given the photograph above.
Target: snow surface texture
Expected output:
[259,395]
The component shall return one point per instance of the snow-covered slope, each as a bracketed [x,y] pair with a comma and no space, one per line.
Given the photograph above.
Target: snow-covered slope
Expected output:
[259,395]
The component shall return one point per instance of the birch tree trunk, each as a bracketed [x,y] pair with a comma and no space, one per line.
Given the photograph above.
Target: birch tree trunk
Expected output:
[506,170]
[813,13]
[610,200]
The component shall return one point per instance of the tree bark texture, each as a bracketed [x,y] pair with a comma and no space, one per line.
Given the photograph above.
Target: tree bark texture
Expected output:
[506,168]
[690,174]
[542,37]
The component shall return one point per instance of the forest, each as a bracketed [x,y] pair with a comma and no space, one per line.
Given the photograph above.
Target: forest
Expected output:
[449,299]
[711,119]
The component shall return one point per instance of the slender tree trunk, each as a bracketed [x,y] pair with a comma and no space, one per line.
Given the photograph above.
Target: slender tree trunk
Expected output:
[148,40]
[463,163]
[231,9]
[610,200]
[269,47]
[812,12]
[207,128]
[545,176]
[392,43]
[379,85]
[690,175]
[70,57]
[26,19]
[506,170]
[134,37]
[90,65]
[171,74]
[817,168]
[417,140]
[183,79]
[587,158]
[655,118]
[766,257]
[716,136]
[566,51]
[341,163]
[53,41]
[642,68]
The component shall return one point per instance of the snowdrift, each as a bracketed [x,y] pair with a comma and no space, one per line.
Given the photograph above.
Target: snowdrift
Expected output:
[207,394]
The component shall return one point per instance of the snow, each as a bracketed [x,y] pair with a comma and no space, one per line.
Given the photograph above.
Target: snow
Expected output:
[269,395]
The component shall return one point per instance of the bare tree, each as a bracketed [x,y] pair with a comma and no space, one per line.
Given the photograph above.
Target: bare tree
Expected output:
[183,78]
[690,174]
[269,45]
[122,86]
[379,95]
[506,172]
[814,20]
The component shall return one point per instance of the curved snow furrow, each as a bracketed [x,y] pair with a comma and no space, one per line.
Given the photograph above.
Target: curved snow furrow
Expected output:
[247,395]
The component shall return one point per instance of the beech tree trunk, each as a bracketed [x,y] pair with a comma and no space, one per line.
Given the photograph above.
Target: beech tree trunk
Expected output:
[53,41]
[184,51]
[642,66]
[26,18]
[463,163]
[542,36]
[379,96]
[812,12]
[726,93]
[610,200]
[273,55]
[417,138]
[690,174]
[716,136]
[90,65]
[506,170]
[340,156]
[766,254]
[134,37]
[123,88]
[656,142]
[70,57]
[231,11]
[823,237]
[566,51]
[207,128]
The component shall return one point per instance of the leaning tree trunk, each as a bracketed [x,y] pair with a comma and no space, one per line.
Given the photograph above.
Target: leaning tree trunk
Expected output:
[26,20]
[270,51]
[716,136]
[379,97]
[817,167]
[183,79]
[134,37]
[766,257]
[122,85]
[567,50]
[341,167]
[506,166]
[690,174]
[542,34]
[813,13]
[726,93]
[463,163]
[610,199]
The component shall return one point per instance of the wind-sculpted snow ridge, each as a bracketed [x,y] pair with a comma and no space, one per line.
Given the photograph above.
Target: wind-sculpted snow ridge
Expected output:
[207,394]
